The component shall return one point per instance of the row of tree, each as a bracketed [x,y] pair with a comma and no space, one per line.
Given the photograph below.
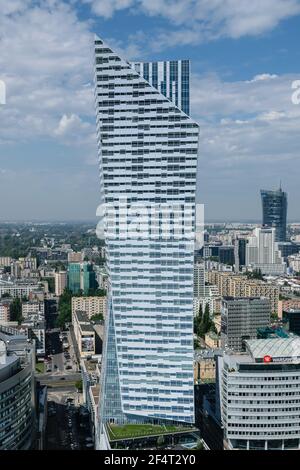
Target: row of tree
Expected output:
[64,308]
[203,322]
[255,274]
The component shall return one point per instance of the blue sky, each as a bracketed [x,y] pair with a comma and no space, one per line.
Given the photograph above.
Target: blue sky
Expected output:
[245,57]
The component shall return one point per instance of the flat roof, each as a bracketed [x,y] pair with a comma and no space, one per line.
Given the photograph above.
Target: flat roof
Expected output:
[87,328]
[82,316]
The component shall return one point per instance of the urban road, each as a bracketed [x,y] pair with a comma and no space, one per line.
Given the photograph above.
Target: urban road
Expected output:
[68,425]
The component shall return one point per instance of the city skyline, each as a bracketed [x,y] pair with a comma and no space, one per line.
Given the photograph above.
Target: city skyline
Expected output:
[242,100]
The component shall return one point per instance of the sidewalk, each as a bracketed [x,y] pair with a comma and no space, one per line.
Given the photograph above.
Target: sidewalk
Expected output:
[74,351]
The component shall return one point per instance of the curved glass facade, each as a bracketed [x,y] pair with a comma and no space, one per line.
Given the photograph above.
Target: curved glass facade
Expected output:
[16,414]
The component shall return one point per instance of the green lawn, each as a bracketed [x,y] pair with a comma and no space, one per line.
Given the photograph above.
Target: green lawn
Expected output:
[40,367]
[139,430]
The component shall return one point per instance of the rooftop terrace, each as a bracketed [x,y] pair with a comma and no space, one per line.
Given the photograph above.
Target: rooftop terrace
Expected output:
[131,431]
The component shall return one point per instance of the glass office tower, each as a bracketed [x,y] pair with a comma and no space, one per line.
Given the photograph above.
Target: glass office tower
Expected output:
[171,78]
[74,270]
[274,206]
[148,151]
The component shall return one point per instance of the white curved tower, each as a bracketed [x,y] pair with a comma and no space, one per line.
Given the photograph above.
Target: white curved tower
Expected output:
[148,151]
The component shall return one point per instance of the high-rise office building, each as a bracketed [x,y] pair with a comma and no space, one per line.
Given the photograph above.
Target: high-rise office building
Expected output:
[87,278]
[239,253]
[148,153]
[226,255]
[240,319]
[170,78]
[74,270]
[274,207]
[81,277]
[199,280]
[262,252]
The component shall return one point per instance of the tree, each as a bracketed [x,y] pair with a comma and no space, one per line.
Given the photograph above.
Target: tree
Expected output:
[256,274]
[205,322]
[78,385]
[206,318]
[6,295]
[64,309]
[197,322]
[200,311]
[16,310]
[97,317]
[97,292]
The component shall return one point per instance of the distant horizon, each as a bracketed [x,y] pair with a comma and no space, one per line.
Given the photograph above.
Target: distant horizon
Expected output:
[94,221]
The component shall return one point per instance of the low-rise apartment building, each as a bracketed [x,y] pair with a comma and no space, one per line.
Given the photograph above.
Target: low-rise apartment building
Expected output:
[5,310]
[94,305]
[236,285]
[33,307]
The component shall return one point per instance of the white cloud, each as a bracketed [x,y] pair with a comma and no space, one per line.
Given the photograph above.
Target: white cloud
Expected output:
[249,138]
[72,130]
[272,116]
[195,21]
[107,8]
[214,98]
[47,71]
[262,77]
[13,6]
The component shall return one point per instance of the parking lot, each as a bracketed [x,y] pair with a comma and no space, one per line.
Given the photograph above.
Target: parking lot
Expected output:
[60,356]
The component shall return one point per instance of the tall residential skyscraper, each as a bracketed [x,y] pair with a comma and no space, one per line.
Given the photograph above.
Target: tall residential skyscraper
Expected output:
[148,153]
[170,78]
[274,206]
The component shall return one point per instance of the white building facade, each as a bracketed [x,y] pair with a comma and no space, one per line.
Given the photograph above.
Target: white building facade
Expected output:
[262,252]
[148,160]
[260,396]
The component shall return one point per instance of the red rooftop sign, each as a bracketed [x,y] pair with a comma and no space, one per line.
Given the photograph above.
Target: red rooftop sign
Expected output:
[267,359]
